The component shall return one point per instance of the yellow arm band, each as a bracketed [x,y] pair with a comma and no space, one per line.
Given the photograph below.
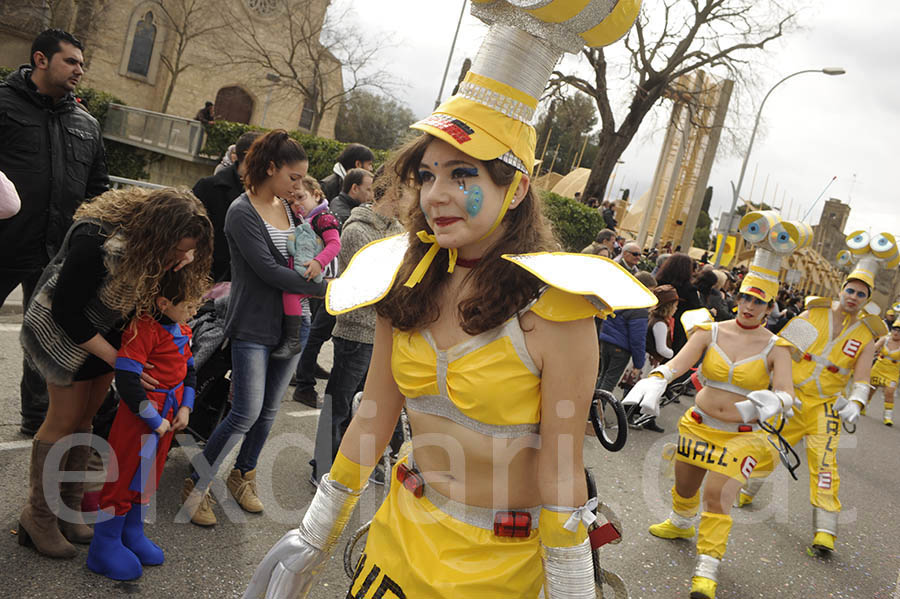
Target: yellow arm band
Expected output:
[554,533]
[349,473]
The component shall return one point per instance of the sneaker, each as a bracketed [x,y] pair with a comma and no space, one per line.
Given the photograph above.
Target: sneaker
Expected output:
[313,480]
[377,476]
[308,397]
[198,505]
[321,373]
[651,425]
[243,489]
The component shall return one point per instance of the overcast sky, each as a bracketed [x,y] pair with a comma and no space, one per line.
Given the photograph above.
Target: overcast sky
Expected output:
[815,127]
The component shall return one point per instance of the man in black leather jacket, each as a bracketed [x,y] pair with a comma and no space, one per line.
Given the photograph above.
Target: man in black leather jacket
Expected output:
[53,153]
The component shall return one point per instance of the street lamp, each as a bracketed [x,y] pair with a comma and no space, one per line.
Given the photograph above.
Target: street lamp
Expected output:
[274,79]
[737,190]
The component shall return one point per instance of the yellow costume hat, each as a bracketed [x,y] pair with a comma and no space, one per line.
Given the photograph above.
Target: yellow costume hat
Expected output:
[774,240]
[490,115]
[868,253]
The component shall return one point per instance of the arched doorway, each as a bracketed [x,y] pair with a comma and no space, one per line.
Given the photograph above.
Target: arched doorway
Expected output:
[234,104]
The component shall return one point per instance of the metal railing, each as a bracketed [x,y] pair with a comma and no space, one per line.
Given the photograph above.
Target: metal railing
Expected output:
[155,131]
[117,182]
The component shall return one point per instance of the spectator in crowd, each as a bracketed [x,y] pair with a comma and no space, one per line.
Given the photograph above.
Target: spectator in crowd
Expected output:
[108,270]
[357,190]
[217,192]
[777,310]
[715,300]
[660,260]
[630,257]
[228,158]
[353,156]
[660,327]
[678,271]
[603,244]
[609,215]
[793,307]
[623,339]
[10,203]
[577,196]
[206,115]
[257,226]
[354,334]
[52,151]
[705,280]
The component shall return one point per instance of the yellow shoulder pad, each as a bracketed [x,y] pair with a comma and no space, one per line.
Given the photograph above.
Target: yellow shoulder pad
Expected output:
[782,342]
[699,319]
[817,302]
[561,306]
[587,275]
[369,275]
[875,325]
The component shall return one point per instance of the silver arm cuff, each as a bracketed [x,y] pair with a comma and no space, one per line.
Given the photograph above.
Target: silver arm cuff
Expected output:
[665,371]
[859,393]
[568,571]
[328,514]
[825,521]
[707,567]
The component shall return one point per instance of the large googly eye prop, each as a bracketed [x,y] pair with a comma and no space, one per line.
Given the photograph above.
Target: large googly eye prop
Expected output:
[883,245]
[858,242]
[844,258]
[780,239]
[755,226]
[896,307]
[801,233]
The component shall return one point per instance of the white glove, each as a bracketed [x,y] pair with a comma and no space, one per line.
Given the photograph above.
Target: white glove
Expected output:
[850,412]
[859,393]
[764,404]
[647,392]
[292,564]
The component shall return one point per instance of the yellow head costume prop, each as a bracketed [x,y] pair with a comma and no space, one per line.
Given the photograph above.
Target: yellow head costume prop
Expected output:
[774,240]
[490,116]
[868,253]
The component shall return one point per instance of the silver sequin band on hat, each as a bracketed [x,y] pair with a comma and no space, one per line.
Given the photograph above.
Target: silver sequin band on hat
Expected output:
[492,99]
[825,521]
[707,567]
[568,571]
[328,513]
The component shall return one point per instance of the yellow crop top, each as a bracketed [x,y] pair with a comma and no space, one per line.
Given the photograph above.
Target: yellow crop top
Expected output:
[719,372]
[887,355]
[487,383]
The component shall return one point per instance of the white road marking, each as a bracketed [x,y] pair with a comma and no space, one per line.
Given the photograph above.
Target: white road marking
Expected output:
[15,444]
[10,328]
[304,414]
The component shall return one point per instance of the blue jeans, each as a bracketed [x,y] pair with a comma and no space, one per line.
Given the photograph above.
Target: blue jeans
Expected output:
[348,373]
[258,386]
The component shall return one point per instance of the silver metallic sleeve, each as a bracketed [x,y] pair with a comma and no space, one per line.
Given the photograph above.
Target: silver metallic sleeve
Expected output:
[568,571]
[328,514]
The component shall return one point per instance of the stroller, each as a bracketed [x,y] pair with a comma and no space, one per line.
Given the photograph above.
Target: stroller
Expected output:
[212,359]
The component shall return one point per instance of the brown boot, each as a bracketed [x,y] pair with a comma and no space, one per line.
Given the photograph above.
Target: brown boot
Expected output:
[37,523]
[74,528]
[243,489]
[198,505]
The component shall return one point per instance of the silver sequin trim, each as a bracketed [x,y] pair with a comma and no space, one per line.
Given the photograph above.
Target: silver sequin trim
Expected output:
[707,567]
[439,405]
[499,102]
[730,427]
[825,521]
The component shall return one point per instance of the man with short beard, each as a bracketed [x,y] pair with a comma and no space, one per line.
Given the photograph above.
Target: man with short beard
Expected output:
[53,153]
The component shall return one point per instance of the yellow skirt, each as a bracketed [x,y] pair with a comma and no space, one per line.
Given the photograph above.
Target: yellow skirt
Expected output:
[885,374]
[737,455]
[414,549]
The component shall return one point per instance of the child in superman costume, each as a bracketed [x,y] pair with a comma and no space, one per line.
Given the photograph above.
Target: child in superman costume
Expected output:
[142,431]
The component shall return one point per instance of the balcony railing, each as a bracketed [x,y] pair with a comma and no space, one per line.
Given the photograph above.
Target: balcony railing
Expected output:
[164,133]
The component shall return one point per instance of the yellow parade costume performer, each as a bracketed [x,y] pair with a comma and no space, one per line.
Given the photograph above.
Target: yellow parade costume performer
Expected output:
[720,442]
[834,345]
[485,334]
[886,370]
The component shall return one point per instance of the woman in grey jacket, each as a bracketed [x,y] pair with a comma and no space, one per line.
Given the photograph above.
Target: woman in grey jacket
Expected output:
[257,226]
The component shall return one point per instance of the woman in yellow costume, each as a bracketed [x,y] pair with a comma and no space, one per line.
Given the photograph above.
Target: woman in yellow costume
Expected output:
[886,371]
[488,340]
[719,438]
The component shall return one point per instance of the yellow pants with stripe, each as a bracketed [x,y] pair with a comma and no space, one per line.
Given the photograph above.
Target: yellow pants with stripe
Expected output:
[415,550]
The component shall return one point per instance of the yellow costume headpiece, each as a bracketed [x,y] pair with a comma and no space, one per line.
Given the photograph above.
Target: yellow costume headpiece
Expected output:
[490,115]
[868,253]
[774,240]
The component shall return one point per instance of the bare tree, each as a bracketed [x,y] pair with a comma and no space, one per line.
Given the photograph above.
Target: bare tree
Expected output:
[313,56]
[672,38]
[187,21]
[79,17]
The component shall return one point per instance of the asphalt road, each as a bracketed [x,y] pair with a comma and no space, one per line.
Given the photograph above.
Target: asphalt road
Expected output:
[766,552]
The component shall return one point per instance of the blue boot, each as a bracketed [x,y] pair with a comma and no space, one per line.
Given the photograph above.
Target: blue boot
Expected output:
[133,537]
[107,555]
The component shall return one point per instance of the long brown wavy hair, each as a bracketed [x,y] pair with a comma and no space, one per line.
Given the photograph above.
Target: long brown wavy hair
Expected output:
[497,288]
[144,227]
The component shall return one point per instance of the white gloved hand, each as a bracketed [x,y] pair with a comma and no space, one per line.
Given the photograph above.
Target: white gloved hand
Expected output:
[647,393]
[288,570]
[850,412]
[764,404]
[840,403]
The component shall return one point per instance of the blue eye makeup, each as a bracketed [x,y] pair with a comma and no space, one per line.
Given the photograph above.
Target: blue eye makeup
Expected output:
[464,171]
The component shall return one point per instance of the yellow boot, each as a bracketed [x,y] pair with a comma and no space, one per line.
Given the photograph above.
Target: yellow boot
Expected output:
[668,530]
[744,499]
[889,414]
[703,588]
[823,542]
[706,573]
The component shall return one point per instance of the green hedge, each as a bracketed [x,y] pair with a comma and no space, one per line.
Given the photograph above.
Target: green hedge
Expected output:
[122,160]
[322,152]
[575,224]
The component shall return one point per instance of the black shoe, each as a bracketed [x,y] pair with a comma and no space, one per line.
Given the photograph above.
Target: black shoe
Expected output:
[290,340]
[312,479]
[29,429]
[377,476]
[308,397]
[321,373]
[651,425]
